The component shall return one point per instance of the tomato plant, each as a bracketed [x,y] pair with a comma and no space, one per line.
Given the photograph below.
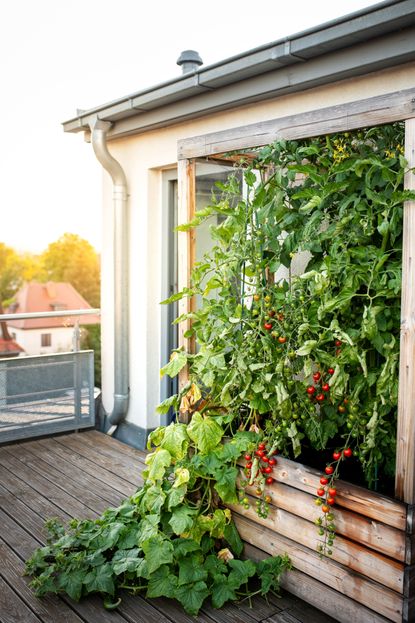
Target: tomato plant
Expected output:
[317,239]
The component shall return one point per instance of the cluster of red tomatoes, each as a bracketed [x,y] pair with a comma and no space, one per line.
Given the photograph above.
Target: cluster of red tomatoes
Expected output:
[329,493]
[258,470]
[321,387]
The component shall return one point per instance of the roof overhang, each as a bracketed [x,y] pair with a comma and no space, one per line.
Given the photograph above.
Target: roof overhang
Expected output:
[376,38]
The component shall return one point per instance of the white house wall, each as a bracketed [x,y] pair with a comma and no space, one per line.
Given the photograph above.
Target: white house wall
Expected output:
[143,158]
[30,340]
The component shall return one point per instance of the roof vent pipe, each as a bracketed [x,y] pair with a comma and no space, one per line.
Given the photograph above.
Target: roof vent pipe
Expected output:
[189,60]
[99,131]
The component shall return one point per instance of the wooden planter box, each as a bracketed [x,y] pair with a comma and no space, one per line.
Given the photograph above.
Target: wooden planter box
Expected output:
[370,576]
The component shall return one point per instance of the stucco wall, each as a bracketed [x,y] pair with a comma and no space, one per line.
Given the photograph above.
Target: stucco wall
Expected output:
[143,158]
[30,340]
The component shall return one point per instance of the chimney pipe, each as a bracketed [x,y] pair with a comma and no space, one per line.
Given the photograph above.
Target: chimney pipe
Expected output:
[189,60]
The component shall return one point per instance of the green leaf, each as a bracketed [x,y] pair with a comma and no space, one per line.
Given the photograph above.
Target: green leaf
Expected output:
[72,583]
[242,570]
[306,348]
[153,499]
[157,462]
[166,405]
[158,551]
[182,519]
[100,580]
[191,569]
[231,535]
[177,362]
[126,560]
[226,484]
[184,546]
[192,596]
[148,528]
[205,432]
[175,496]
[176,440]
[222,591]
[162,583]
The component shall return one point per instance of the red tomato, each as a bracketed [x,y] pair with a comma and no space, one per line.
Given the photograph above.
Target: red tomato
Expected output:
[268,326]
[347,452]
[316,376]
[324,481]
[320,492]
[329,469]
[272,461]
[325,387]
[311,390]
[320,397]
[330,371]
[269,480]
[332,492]
[330,501]
[337,456]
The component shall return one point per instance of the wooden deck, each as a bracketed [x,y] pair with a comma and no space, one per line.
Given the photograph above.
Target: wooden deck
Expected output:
[80,475]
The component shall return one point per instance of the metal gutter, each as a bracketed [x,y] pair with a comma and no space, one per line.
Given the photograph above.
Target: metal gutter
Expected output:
[371,28]
[99,130]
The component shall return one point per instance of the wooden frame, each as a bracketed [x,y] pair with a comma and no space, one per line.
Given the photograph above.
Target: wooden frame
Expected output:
[372,571]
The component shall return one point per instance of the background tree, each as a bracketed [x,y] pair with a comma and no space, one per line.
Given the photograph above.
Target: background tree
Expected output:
[11,272]
[73,259]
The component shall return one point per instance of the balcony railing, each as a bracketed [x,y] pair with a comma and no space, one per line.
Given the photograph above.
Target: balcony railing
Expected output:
[46,394]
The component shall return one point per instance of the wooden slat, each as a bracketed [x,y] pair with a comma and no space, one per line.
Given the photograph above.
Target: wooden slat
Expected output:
[405,448]
[352,555]
[332,582]
[88,466]
[41,485]
[351,115]
[110,446]
[186,245]
[358,499]
[114,464]
[65,470]
[369,533]
[12,609]
[335,604]
[50,609]
[58,470]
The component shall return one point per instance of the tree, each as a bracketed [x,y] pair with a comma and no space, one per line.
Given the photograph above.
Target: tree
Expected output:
[73,259]
[11,272]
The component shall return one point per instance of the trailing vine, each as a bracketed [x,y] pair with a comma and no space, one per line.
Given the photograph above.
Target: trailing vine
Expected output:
[173,537]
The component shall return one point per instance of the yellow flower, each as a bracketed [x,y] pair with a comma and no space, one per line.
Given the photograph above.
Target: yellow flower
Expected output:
[225,555]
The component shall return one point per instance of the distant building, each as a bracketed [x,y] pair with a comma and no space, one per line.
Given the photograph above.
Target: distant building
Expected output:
[39,336]
[9,348]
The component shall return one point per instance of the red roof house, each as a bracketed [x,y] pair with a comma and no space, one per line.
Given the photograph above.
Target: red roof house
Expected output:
[47,335]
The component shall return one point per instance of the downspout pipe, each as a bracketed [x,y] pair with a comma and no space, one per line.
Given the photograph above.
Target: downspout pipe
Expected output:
[99,130]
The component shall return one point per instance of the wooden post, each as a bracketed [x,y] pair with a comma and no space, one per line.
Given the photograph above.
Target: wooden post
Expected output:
[186,250]
[405,449]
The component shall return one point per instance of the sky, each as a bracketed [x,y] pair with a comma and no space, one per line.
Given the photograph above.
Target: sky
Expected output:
[60,55]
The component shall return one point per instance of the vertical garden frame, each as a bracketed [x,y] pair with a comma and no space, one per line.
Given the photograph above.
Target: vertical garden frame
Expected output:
[357,504]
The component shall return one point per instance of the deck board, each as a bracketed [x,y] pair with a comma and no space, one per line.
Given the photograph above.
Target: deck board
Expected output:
[79,475]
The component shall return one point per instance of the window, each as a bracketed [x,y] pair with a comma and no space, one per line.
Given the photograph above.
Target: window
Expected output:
[46,339]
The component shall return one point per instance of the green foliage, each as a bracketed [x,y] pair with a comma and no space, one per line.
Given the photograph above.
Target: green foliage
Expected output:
[307,277]
[11,269]
[91,340]
[73,259]
[172,538]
